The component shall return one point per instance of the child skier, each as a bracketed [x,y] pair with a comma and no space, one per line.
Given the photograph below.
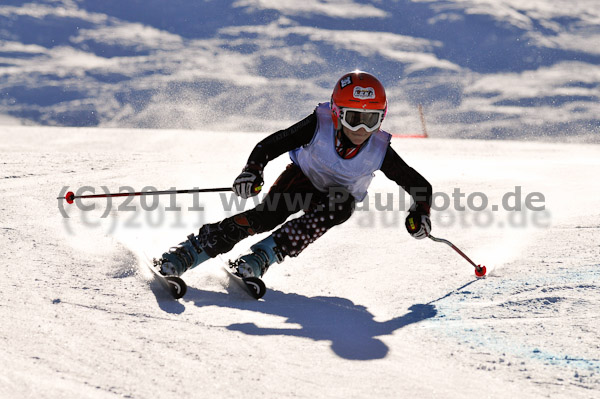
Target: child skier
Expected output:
[334,152]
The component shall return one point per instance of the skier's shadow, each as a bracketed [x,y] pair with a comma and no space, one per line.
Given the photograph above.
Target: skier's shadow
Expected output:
[349,327]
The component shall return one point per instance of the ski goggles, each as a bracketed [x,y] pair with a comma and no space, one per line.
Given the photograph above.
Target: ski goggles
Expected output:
[355,118]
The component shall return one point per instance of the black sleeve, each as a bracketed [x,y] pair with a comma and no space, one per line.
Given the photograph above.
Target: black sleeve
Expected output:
[409,179]
[282,141]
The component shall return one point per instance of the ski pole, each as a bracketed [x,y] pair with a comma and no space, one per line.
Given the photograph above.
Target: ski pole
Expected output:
[479,270]
[70,196]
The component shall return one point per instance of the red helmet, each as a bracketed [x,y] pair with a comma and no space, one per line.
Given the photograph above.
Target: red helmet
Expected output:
[358,100]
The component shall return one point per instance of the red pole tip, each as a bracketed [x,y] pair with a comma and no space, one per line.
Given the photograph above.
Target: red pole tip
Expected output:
[70,197]
[480,271]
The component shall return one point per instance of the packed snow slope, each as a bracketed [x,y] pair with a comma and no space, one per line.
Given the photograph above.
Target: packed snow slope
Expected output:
[366,311]
[481,68]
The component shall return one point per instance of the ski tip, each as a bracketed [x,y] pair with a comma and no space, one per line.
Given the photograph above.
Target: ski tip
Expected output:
[70,197]
[177,285]
[256,286]
[480,271]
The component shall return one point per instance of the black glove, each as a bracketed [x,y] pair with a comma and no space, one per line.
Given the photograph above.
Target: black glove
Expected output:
[417,222]
[249,182]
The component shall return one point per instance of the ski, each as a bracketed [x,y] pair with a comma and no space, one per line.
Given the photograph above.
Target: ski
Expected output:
[173,284]
[254,286]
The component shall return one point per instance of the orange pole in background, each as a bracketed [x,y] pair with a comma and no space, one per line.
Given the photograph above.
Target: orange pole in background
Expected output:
[422,116]
[423,135]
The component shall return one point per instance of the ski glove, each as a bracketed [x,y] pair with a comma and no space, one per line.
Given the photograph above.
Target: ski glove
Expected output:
[249,182]
[418,224]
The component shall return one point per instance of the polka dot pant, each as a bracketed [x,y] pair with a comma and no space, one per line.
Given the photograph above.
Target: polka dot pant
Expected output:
[294,236]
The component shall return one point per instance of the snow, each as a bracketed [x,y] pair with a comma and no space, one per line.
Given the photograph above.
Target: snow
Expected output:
[366,311]
[346,9]
[499,69]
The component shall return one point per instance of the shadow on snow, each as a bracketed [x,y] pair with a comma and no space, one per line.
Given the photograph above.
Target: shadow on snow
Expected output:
[349,327]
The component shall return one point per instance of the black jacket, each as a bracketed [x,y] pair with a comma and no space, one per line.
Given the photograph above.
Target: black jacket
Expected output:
[300,134]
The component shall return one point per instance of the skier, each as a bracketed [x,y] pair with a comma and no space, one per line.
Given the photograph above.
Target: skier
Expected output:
[334,152]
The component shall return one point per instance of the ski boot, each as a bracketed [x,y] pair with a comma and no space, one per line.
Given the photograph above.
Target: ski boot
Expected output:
[182,257]
[263,254]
